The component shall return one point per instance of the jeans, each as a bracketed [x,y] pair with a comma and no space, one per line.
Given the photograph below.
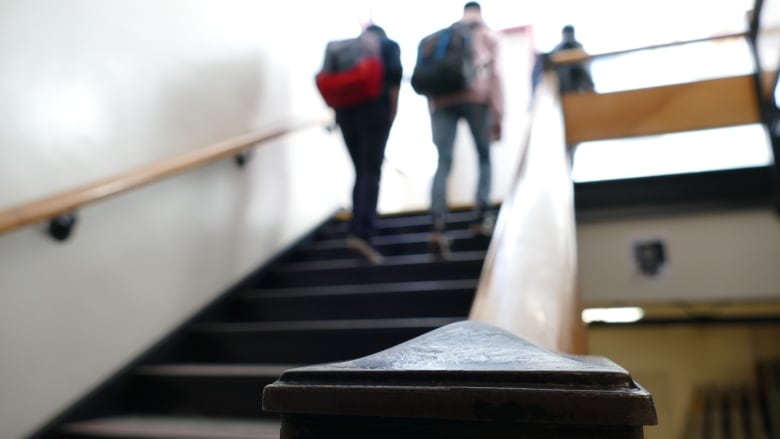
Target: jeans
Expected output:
[365,129]
[444,123]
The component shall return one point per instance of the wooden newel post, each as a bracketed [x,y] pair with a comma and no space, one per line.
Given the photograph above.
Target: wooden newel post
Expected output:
[464,380]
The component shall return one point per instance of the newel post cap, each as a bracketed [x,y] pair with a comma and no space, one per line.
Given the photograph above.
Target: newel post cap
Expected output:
[467,372]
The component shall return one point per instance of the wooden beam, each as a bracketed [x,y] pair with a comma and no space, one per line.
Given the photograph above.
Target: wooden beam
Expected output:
[674,108]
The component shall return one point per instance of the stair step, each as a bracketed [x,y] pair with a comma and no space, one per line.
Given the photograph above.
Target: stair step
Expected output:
[318,304]
[389,300]
[395,245]
[373,288]
[401,224]
[321,325]
[213,390]
[423,267]
[142,427]
[387,222]
[214,370]
[302,341]
[407,238]
[389,262]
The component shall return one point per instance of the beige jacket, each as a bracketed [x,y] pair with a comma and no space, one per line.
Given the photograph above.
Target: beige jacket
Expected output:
[486,87]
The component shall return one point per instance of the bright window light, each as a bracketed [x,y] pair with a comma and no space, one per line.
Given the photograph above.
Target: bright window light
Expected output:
[679,153]
[612,315]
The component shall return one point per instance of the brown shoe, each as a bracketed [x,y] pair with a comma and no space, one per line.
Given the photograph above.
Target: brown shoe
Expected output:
[485,225]
[439,243]
[364,248]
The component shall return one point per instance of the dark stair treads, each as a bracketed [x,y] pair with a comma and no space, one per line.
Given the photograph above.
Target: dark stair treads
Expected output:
[401,224]
[389,300]
[143,427]
[317,303]
[203,389]
[462,265]
[395,245]
[302,341]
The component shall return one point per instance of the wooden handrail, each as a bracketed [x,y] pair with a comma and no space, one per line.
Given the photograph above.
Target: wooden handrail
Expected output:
[529,280]
[72,199]
[577,55]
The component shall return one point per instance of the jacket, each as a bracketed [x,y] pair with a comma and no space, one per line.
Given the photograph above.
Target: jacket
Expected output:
[486,87]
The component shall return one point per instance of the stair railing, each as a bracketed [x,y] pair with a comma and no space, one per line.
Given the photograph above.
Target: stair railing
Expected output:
[59,208]
[528,284]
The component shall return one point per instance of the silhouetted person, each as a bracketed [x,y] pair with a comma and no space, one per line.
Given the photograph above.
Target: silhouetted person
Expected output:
[572,76]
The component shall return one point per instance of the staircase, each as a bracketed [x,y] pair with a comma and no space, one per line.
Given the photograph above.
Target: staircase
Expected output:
[320,302]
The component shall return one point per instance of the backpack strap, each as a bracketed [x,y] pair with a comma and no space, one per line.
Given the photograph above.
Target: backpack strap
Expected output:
[441,46]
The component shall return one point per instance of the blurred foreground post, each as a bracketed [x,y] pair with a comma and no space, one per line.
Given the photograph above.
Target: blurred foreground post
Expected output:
[467,379]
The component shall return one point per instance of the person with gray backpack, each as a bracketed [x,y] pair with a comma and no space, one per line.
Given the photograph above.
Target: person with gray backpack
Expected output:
[456,71]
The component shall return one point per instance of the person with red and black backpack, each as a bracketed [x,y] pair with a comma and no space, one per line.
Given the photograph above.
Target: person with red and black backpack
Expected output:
[360,80]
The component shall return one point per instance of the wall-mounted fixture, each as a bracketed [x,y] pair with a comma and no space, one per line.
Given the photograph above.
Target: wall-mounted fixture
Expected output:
[61,227]
[650,257]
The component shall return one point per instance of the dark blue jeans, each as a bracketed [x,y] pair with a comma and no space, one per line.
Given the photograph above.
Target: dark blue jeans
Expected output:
[444,123]
[365,129]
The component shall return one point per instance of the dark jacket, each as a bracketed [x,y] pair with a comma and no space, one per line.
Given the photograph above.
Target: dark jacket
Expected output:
[391,58]
[576,76]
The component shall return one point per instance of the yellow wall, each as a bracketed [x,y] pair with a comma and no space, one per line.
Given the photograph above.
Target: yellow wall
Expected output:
[671,361]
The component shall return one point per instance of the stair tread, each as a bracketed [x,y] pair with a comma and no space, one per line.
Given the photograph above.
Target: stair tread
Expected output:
[325,325]
[420,219]
[215,370]
[380,240]
[210,387]
[389,261]
[176,427]
[351,289]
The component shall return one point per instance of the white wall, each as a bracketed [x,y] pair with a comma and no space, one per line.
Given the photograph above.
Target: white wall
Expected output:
[727,256]
[91,88]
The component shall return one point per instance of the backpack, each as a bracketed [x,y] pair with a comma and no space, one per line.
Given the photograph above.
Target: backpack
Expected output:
[352,72]
[445,62]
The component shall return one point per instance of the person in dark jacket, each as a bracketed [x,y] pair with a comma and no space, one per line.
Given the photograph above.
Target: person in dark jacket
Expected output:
[575,76]
[365,128]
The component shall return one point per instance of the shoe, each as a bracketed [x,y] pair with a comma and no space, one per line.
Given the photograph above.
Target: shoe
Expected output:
[485,224]
[364,248]
[439,243]
[439,225]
